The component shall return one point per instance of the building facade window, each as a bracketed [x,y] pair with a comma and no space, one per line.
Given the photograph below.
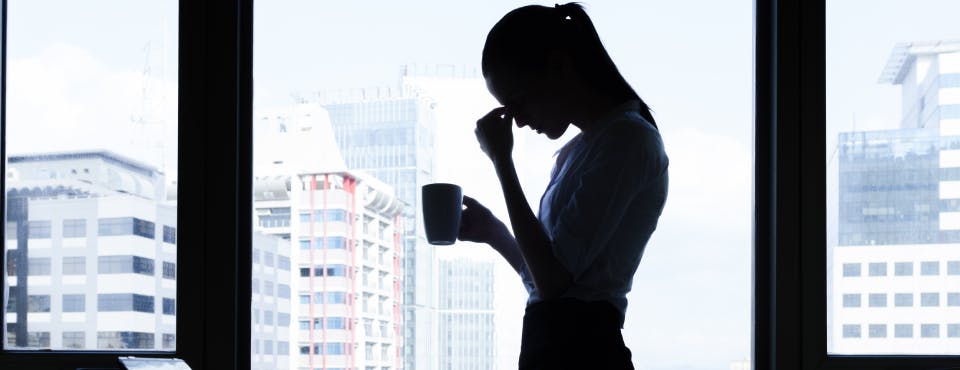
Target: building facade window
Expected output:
[38,266]
[38,303]
[903,269]
[169,306]
[953,330]
[74,265]
[903,330]
[283,348]
[169,270]
[124,340]
[953,267]
[953,299]
[125,302]
[125,265]
[851,300]
[39,229]
[74,303]
[74,228]
[267,317]
[268,259]
[169,234]
[283,263]
[903,299]
[283,319]
[878,300]
[74,339]
[39,339]
[169,341]
[929,330]
[930,299]
[119,226]
[878,269]
[930,268]
[283,291]
[877,330]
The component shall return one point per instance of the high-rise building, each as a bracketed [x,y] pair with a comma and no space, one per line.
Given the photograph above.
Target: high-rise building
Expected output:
[466,314]
[390,134]
[896,267]
[91,252]
[271,307]
[347,229]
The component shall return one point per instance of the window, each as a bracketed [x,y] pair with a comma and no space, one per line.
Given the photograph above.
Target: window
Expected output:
[903,299]
[268,317]
[38,266]
[76,228]
[169,234]
[890,184]
[74,340]
[953,267]
[74,265]
[124,340]
[878,300]
[169,270]
[74,303]
[39,339]
[283,348]
[903,268]
[953,299]
[903,331]
[929,268]
[38,303]
[929,330]
[878,330]
[39,230]
[169,341]
[283,291]
[283,263]
[268,259]
[953,330]
[125,264]
[125,302]
[283,319]
[929,299]
[851,300]
[169,306]
[126,226]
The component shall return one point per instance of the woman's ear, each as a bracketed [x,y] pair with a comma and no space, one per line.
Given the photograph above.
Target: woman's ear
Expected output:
[560,67]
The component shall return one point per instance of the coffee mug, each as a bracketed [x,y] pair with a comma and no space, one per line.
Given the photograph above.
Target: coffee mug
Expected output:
[442,204]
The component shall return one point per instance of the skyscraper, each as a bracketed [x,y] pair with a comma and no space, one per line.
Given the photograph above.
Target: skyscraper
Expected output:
[91,247]
[271,307]
[896,268]
[389,134]
[346,228]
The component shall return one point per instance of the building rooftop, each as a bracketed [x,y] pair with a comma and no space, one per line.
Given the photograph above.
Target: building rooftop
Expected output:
[904,53]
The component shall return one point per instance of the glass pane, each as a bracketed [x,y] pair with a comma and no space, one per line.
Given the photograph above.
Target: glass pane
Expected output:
[357,108]
[893,177]
[91,175]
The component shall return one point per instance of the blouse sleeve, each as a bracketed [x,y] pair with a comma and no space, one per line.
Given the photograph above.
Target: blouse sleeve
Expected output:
[626,160]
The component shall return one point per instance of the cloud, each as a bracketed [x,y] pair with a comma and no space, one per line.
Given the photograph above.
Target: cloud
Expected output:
[65,98]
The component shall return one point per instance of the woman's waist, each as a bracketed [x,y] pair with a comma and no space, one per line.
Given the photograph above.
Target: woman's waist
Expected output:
[589,312]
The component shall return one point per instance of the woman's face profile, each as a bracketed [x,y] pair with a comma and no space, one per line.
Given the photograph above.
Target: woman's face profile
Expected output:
[530,101]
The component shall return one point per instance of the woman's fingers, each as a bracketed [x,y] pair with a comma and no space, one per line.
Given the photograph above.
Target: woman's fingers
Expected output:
[470,202]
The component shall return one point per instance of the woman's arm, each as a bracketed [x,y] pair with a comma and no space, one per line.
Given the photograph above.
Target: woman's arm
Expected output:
[549,276]
[495,134]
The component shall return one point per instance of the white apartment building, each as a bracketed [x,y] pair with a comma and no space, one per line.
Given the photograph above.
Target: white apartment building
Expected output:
[91,247]
[896,269]
[346,233]
[272,311]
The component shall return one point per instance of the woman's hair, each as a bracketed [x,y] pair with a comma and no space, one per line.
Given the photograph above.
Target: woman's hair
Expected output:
[522,41]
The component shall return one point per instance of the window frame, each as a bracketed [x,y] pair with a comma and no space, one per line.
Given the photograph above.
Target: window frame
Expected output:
[790,254]
[215,98]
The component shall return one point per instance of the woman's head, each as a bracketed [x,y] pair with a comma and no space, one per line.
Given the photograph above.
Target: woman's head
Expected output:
[534,58]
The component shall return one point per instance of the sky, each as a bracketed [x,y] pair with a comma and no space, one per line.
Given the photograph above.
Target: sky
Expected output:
[81,76]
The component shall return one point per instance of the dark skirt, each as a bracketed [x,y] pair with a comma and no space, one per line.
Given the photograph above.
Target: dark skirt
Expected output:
[568,333]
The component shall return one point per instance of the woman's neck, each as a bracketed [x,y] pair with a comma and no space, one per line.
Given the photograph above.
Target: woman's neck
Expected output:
[591,108]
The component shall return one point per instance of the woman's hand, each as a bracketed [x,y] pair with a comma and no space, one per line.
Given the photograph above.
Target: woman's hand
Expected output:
[478,224]
[495,133]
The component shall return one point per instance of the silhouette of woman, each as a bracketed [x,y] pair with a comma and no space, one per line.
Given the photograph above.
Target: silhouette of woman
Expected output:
[549,69]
